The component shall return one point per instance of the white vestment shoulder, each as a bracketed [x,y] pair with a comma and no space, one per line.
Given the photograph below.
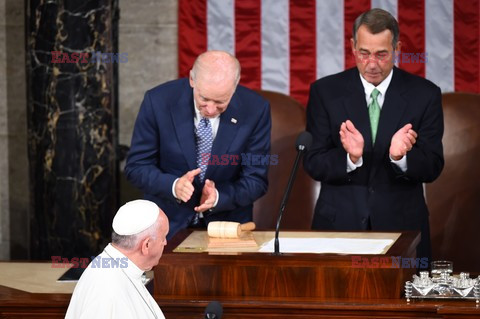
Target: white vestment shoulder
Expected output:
[111,287]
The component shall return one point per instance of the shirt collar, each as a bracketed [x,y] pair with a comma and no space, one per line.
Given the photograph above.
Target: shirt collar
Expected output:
[382,87]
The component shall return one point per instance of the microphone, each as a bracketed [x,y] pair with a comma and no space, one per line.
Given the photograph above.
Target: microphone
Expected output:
[214,310]
[304,141]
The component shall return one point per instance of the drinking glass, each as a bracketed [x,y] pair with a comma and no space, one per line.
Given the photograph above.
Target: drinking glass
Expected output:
[441,269]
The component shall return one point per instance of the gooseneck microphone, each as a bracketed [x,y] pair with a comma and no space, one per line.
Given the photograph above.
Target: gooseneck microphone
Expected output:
[214,310]
[304,140]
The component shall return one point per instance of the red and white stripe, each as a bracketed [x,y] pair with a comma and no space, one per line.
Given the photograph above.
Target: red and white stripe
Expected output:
[284,45]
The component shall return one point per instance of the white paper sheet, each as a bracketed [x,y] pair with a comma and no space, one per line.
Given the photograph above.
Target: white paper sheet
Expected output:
[329,245]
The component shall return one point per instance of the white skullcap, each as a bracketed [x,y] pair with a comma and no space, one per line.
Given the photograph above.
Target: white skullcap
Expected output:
[135,216]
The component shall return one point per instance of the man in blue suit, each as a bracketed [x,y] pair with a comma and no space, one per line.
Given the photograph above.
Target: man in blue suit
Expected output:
[199,145]
[377,136]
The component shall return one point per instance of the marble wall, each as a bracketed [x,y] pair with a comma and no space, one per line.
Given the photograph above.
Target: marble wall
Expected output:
[71,119]
[147,32]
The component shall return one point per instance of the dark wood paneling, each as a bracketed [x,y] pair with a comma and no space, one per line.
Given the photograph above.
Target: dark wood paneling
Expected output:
[303,308]
[18,304]
[286,275]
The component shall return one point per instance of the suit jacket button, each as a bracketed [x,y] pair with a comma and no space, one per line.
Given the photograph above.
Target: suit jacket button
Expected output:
[371,190]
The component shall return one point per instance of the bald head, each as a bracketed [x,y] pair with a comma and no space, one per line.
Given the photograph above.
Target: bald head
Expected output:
[216,67]
[214,78]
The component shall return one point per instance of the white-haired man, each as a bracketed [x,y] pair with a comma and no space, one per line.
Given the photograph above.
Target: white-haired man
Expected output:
[200,145]
[111,286]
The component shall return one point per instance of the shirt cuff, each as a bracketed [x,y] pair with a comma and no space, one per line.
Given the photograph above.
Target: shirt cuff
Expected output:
[173,188]
[214,204]
[216,201]
[352,166]
[401,163]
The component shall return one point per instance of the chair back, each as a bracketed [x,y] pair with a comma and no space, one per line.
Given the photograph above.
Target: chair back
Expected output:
[288,120]
[453,199]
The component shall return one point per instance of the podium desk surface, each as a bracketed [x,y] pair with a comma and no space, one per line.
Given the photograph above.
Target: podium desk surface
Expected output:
[192,244]
[34,277]
[296,242]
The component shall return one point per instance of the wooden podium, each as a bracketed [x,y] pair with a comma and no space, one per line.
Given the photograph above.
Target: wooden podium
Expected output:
[249,286]
[198,276]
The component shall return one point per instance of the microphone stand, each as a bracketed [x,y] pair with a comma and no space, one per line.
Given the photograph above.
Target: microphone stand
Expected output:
[283,203]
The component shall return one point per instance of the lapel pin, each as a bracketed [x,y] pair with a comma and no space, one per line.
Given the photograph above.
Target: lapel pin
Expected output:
[233,120]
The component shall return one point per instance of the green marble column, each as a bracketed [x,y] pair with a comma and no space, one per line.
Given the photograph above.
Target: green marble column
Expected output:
[72,133]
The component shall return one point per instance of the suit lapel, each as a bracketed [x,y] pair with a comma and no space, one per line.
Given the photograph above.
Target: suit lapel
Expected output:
[230,121]
[182,115]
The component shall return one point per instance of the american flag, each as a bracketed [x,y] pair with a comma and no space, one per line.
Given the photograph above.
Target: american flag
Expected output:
[284,45]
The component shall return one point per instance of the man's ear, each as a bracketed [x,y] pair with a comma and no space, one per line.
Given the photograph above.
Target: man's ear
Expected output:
[398,48]
[352,43]
[146,243]
[190,79]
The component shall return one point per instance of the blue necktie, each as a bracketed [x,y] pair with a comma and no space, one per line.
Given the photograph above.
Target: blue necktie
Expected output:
[204,145]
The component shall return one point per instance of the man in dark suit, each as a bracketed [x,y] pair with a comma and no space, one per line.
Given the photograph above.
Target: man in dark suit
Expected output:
[377,136]
[199,145]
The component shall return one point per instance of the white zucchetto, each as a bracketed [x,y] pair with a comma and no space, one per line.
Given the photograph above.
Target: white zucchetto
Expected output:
[135,216]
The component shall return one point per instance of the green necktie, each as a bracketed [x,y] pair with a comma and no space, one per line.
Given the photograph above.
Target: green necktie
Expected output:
[374,113]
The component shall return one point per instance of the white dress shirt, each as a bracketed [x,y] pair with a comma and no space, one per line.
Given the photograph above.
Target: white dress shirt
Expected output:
[382,88]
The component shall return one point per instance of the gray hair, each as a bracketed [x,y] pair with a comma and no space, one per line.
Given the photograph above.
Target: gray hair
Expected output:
[377,20]
[130,242]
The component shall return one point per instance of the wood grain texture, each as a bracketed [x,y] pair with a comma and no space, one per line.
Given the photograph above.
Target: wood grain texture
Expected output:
[263,286]
[245,239]
[286,275]
[303,308]
[19,304]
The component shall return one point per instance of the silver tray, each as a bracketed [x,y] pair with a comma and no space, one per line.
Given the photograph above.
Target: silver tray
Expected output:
[443,286]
